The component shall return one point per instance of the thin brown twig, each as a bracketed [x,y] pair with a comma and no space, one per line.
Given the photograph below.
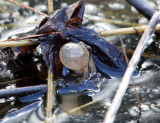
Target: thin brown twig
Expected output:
[24,37]
[30,36]
[28,7]
[134,86]
[146,55]
[138,100]
[129,30]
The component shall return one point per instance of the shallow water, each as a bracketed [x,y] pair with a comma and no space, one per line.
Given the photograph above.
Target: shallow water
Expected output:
[31,108]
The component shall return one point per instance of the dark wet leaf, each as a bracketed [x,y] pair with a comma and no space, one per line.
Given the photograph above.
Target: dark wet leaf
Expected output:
[58,21]
[68,23]
[108,59]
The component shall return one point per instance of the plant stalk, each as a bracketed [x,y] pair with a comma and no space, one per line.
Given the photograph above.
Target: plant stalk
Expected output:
[50,84]
[129,30]
[50,6]
[134,86]
[111,114]
[17,43]
[50,95]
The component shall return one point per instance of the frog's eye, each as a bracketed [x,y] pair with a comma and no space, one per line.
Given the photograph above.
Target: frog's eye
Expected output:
[68,38]
[89,48]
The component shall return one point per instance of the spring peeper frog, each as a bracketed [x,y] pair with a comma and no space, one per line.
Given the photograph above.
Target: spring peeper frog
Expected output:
[77,57]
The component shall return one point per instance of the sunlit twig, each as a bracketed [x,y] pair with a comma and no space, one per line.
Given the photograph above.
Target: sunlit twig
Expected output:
[110,115]
[17,43]
[28,7]
[134,86]
[50,6]
[51,100]
[75,109]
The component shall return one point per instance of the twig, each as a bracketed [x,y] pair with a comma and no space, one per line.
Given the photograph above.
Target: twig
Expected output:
[17,43]
[50,6]
[21,91]
[138,100]
[142,7]
[50,95]
[110,115]
[28,7]
[26,37]
[50,84]
[124,51]
[146,55]
[129,30]
[134,86]
[75,109]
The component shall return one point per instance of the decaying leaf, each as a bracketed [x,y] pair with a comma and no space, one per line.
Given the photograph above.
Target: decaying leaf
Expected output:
[67,22]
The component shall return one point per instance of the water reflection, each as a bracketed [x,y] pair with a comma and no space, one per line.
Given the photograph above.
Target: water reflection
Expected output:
[68,102]
[24,114]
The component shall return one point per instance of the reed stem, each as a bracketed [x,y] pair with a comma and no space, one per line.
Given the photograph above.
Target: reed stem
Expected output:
[50,95]
[50,6]
[17,43]
[50,84]
[111,114]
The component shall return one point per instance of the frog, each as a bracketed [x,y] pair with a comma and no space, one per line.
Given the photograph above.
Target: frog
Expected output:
[77,57]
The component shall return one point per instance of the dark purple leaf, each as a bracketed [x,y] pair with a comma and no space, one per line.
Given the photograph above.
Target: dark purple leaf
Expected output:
[68,22]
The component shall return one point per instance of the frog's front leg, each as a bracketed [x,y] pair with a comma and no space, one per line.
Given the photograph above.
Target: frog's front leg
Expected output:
[90,67]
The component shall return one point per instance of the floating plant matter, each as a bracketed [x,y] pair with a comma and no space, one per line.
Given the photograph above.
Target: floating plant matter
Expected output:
[67,23]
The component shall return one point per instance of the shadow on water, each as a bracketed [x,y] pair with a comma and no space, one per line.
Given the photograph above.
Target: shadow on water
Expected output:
[30,108]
